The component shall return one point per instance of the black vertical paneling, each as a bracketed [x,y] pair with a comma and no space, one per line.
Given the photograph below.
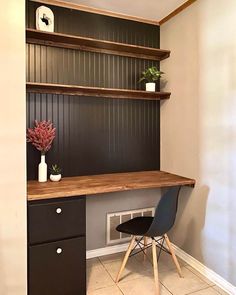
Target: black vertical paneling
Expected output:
[68,66]
[97,135]
[94,135]
[98,26]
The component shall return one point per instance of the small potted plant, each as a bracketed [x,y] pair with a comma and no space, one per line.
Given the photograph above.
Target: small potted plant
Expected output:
[151,75]
[55,173]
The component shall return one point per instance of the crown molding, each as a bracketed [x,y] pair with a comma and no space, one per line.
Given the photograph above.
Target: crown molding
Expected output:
[176,11]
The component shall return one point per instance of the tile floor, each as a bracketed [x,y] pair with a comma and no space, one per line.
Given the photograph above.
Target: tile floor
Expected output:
[137,277]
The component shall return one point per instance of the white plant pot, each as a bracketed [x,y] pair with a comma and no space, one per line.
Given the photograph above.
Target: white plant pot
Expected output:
[55,177]
[42,170]
[151,86]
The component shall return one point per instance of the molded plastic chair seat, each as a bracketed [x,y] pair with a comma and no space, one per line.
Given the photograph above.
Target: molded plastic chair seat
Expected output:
[151,227]
[137,226]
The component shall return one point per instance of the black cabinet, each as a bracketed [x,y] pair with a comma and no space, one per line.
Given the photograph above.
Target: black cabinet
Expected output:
[51,221]
[57,247]
[58,268]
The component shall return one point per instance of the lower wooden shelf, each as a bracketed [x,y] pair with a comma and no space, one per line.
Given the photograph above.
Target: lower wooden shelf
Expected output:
[94,91]
[104,183]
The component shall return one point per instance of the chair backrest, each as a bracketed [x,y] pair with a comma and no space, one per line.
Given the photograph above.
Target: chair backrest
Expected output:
[165,213]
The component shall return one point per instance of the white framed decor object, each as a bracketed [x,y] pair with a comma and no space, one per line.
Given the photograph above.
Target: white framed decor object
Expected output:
[44,19]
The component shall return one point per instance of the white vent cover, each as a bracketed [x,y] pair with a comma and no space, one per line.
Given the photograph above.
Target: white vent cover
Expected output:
[116,218]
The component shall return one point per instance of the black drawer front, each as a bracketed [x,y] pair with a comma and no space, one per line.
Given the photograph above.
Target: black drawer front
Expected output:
[56,220]
[52,273]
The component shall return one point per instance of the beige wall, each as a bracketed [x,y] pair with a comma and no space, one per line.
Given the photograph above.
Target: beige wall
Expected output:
[12,149]
[198,129]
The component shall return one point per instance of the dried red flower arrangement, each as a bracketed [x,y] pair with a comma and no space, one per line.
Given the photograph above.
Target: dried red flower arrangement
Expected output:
[41,135]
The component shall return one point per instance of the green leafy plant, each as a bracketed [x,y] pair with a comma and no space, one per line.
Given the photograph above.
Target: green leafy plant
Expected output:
[151,75]
[55,170]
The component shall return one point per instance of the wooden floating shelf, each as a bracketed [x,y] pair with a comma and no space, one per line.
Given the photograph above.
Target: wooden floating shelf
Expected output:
[94,91]
[94,45]
[75,6]
[104,183]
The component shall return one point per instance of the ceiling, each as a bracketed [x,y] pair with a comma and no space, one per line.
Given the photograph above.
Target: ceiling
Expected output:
[150,9]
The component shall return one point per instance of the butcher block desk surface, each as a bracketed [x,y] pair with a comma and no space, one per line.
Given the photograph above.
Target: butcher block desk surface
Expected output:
[104,183]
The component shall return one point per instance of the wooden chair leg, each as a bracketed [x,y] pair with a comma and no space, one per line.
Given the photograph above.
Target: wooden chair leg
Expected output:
[173,256]
[155,267]
[145,250]
[131,244]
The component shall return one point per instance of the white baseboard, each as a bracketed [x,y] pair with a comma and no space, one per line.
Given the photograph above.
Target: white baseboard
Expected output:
[107,250]
[201,268]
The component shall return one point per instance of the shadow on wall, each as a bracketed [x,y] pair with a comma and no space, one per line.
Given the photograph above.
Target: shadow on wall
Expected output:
[191,231]
[232,164]
[3,288]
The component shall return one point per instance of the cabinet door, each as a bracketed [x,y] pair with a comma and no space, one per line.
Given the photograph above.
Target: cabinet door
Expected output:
[56,220]
[58,268]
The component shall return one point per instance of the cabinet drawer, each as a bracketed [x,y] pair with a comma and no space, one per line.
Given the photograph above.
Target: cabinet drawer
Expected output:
[58,268]
[56,220]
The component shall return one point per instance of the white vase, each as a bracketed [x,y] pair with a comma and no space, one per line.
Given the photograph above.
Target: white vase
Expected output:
[55,177]
[42,170]
[151,86]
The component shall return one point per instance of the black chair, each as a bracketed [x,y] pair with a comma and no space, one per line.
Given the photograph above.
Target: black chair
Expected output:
[152,227]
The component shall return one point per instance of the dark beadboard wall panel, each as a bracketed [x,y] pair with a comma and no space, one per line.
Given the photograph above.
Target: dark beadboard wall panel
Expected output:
[97,135]
[67,66]
[98,26]
[94,135]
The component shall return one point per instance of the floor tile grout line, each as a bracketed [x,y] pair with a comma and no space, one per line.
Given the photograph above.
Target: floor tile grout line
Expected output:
[187,266]
[110,275]
[130,280]
[103,264]
[202,289]
[100,288]
[105,288]
[120,289]
[200,277]
[207,287]
[165,287]
[107,271]
[107,262]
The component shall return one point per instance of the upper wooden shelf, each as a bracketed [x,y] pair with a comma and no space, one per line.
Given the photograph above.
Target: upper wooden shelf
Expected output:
[94,91]
[94,45]
[104,183]
[75,6]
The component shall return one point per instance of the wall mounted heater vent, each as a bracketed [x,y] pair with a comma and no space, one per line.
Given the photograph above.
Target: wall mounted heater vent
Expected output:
[116,218]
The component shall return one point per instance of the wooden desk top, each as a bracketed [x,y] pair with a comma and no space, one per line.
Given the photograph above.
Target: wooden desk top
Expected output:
[104,183]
